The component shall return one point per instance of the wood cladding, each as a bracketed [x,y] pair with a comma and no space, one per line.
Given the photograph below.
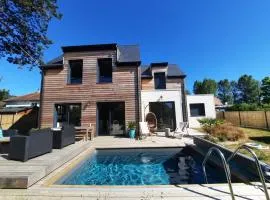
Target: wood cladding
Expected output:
[124,88]
[171,84]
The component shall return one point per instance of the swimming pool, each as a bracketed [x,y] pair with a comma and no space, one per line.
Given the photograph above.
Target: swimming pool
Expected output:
[162,166]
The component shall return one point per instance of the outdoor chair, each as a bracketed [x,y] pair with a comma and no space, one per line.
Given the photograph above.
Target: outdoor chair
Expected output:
[144,129]
[181,130]
[151,120]
[36,143]
[64,136]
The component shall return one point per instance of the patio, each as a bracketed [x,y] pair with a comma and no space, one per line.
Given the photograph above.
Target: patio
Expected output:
[36,173]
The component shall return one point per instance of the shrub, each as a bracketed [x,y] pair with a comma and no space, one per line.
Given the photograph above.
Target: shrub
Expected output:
[227,131]
[208,123]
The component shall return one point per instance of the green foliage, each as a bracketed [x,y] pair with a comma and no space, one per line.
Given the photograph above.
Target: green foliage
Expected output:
[131,125]
[207,86]
[265,90]
[208,123]
[23,29]
[225,91]
[248,89]
[4,94]
[249,107]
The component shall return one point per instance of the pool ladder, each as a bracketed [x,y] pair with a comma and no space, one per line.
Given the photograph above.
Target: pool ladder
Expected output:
[227,168]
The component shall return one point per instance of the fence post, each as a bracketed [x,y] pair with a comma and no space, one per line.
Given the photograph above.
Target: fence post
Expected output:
[240,121]
[266,120]
[223,115]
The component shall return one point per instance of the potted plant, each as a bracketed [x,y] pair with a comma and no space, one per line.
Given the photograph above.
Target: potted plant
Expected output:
[131,129]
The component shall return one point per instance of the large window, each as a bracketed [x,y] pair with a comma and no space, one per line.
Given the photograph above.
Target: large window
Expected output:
[67,113]
[105,70]
[75,71]
[197,109]
[165,113]
[160,80]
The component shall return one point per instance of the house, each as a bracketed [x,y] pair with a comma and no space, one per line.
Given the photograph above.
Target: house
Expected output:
[97,84]
[200,106]
[106,85]
[28,100]
[162,92]
[20,112]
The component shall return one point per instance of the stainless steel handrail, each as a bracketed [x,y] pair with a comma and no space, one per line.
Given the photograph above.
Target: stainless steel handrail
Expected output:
[225,165]
[257,165]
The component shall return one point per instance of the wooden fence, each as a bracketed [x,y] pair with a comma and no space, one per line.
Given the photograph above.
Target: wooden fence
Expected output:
[252,119]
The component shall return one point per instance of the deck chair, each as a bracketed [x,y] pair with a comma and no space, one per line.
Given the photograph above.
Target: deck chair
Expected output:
[181,130]
[144,129]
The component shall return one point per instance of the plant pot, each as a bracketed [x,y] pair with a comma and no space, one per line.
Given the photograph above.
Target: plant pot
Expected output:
[132,133]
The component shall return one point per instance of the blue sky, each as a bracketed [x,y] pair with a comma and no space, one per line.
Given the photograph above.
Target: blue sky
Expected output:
[207,39]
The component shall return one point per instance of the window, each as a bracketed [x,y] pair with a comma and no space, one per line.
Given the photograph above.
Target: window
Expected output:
[67,113]
[165,114]
[197,109]
[75,71]
[160,80]
[105,70]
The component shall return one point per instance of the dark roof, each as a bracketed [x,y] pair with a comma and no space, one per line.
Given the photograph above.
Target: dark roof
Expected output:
[28,97]
[128,53]
[14,109]
[160,64]
[57,60]
[95,47]
[173,71]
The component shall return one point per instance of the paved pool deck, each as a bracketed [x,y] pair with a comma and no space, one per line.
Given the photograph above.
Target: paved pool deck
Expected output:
[40,172]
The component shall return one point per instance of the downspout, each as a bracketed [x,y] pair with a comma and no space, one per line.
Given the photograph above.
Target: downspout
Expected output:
[138,97]
[184,101]
[40,98]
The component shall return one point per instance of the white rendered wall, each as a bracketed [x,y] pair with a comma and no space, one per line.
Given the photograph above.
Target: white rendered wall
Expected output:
[167,95]
[209,105]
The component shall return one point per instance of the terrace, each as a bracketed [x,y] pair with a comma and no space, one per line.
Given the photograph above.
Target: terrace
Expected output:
[39,174]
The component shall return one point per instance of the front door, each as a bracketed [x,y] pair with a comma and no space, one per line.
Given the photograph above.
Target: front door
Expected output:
[111,118]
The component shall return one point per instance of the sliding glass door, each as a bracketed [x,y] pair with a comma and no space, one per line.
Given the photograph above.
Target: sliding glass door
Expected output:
[165,113]
[67,113]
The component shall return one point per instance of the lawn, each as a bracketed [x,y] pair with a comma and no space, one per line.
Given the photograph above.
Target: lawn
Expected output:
[257,136]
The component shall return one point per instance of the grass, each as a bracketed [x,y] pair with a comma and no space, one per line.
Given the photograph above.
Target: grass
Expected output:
[257,136]
[254,135]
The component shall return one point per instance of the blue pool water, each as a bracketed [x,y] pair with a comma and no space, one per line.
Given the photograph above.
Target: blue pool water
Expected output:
[142,167]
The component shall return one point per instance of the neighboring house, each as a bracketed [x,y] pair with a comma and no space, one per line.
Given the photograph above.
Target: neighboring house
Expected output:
[20,112]
[162,92]
[28,100]
[97,84]
[200,106]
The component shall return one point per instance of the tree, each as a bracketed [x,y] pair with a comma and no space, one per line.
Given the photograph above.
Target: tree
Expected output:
[4,94]
[249,90]
[207,86]
[23,29]
[235,91]
[225,91]
[265,90]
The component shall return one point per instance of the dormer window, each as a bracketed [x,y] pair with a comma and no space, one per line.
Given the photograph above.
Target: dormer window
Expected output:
[75,71]
[160,80]
[105,70]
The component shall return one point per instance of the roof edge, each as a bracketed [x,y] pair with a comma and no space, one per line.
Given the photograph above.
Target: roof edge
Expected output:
[94,47]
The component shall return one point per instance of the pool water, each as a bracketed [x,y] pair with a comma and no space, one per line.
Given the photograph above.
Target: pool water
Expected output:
[163,166]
